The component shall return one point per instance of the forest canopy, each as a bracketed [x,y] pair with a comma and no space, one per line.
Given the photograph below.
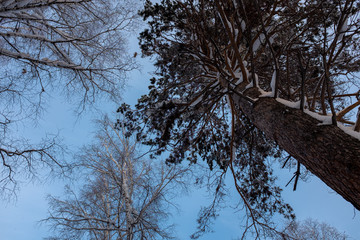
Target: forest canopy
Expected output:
[242,82]
[72,48]
[239,84]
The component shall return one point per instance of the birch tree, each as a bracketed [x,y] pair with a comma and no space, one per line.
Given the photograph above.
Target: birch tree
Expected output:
[312,230]
[240,82]
[124,196]
[74,48]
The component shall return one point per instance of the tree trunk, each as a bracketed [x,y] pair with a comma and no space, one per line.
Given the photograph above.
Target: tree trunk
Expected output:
[325,150]
[128,202]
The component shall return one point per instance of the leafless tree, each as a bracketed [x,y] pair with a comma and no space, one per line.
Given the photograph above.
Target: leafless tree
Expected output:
[310,230]
[72,47]
[124,196]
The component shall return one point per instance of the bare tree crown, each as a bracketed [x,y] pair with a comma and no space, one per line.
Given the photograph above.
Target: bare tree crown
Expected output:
[76,48]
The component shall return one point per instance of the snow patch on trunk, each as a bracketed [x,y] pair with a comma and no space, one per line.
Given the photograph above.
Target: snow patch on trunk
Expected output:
[287,103]
[349,130]
[324,119]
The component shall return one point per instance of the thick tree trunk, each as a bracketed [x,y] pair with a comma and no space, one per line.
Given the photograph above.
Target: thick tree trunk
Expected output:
[327,151]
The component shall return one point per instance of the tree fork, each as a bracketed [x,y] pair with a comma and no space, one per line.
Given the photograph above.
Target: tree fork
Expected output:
[325,150]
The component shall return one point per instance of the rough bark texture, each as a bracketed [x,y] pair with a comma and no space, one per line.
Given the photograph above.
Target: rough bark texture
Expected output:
[327,151]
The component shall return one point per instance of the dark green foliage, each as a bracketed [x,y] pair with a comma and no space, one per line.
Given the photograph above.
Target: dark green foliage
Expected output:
[182,114]
[189,111]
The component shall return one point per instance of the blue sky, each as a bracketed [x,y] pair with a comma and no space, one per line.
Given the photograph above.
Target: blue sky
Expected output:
[19,220]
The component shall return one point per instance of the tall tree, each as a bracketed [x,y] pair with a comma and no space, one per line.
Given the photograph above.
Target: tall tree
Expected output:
[124,197]
[73,46]
[240,80]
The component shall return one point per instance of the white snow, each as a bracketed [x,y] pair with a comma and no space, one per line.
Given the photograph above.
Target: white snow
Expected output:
[326,120]
[349,130]
[258,42]
[264,93]
[261,39]
[250,85]
[240,79]
[243,25]
[235,3]
[236,33]
[273,83]
[287,103]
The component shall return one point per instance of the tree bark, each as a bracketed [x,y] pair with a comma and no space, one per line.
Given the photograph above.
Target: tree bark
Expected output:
[325,150]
